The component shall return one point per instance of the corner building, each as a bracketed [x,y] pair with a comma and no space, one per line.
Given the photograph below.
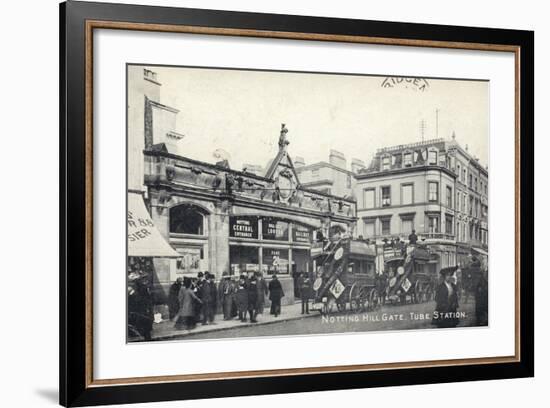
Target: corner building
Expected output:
[424,186]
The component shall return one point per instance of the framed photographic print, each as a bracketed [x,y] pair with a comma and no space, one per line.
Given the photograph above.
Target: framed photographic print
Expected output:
[256,203]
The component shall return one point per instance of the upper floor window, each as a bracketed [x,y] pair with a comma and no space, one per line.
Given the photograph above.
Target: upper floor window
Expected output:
[407,159]
[385,226]
[369,198]
[386,163]
[433,224]
[386,196]
[432,157]
[433,191]
[407,194]
[186,219]
[449,197]
[463,177]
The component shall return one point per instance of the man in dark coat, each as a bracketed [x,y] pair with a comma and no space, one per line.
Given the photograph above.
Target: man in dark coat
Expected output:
[173,302]
[252,290]
[242,299]
[226,295]
[275,295]
[262,292]
[208,295]
[413,238]
[446,299]
[482,300]
[197,289]
[305,291]
[140,307]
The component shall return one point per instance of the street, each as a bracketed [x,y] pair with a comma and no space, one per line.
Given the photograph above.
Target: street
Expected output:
[389,317]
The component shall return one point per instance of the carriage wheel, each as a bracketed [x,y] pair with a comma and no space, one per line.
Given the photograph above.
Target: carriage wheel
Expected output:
[354,294]
[374,300]
[357,298]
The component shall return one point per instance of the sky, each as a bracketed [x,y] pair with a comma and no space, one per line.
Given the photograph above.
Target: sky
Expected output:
[241,112]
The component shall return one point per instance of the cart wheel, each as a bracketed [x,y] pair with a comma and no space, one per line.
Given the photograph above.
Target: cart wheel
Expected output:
[354,298]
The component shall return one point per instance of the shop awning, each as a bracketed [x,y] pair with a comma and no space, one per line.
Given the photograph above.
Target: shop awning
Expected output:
[143,237]
[481,251]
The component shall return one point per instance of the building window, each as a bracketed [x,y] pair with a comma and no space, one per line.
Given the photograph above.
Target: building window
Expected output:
[475,183]
[463,178]
[407,159]
[448,224]
[386,196]
[348,181]
[458,170]
[433,191]
[369,198]
[407,194]
[386,163]
[368,230]
[464,199]
[406,226]
[432,157]
[457,200]
[385,226]
[433,224]
[449,197]
[186,219]
[470,181]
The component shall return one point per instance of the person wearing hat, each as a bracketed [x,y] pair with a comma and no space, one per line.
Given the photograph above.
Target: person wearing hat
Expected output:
[186,314]
[275,295]
[241,296]
[413,238]
[262,292]
[446,299]
[196,287]
[226,294]
[208,298]
[173,302]
[252,289]
[140,304]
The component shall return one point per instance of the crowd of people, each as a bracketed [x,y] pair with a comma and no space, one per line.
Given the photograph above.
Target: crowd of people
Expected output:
[196,300]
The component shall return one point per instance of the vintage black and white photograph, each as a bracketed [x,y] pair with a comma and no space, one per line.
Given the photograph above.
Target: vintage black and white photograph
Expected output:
[274,203]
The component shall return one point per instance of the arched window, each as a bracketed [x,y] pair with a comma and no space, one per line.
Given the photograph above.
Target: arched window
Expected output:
[187,219]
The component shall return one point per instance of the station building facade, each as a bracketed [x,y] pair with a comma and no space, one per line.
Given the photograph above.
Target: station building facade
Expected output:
[221,220]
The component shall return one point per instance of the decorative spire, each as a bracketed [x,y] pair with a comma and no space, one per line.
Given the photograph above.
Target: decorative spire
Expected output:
[283,141]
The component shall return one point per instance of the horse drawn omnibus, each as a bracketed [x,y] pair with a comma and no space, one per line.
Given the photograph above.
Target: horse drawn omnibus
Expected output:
[346,277]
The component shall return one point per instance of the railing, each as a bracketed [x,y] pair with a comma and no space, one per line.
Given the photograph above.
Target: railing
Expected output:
[408,146]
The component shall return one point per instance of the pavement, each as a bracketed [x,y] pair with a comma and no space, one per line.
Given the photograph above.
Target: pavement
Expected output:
[165,330]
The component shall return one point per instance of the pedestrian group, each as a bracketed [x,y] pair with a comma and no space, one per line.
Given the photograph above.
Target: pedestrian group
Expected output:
[196,300]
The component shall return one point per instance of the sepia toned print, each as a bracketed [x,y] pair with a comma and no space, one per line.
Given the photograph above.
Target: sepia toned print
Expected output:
[265,203]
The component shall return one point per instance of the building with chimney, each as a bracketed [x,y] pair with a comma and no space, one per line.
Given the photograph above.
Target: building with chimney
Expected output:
[332,177]
[436,188]
[218,219]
